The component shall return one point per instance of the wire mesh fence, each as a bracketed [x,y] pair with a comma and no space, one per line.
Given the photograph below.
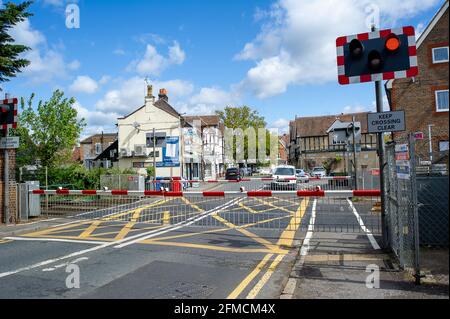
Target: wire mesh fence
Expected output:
[416,209]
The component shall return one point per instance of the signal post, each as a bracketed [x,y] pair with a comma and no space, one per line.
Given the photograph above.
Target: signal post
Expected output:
[8,146]
[374,57]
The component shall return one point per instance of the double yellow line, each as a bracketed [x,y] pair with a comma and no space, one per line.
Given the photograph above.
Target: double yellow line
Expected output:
[286,239]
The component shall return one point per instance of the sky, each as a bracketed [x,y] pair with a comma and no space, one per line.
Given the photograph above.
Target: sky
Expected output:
[276,56]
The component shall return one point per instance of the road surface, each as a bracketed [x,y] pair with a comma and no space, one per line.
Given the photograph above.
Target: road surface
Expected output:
[188,247]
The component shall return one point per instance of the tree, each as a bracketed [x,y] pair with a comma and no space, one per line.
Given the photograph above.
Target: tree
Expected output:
[243,118]
[10,63]
[50,132]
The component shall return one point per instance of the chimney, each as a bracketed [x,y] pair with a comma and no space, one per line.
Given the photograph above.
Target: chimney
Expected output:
[163,95]
[149,98]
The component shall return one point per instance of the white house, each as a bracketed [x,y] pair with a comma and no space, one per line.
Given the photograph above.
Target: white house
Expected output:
[152,133]
[212,146]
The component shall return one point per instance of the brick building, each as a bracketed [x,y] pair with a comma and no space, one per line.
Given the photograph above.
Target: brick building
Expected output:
[425,98]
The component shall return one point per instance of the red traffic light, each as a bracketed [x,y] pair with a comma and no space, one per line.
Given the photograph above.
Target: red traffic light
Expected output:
[375,60]
[392,43]
[356,49]
[5,108]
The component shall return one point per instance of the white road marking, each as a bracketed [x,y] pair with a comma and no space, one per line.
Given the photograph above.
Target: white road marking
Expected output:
[57,240]
[305,247]
[65,264]
[363,227]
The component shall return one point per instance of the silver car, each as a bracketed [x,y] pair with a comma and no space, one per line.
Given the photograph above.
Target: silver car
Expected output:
[319,172]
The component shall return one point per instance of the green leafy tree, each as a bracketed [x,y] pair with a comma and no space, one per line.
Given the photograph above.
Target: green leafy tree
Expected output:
[242,118]
[50,131]
[10,61]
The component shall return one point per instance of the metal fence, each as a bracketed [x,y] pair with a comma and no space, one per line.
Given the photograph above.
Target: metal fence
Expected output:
[333,211]
[416,207]
[122,182]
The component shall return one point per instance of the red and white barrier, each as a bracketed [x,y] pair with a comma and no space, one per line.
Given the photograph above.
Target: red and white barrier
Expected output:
[301,193]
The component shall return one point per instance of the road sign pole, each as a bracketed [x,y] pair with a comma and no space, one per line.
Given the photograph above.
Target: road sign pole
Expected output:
[6,182]
[379,101]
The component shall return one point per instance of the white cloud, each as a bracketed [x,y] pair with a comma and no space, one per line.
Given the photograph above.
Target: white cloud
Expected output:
[104,79]
[208,100]
[296,44]
[22,33]
[130,94]
[281,124]
[84,84]
[154,63]
[74,65]
[56,3]
[96,121]
[355,109]
[44,66]
[46,62]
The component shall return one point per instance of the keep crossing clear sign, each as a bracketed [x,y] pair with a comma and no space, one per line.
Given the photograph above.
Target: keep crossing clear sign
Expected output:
[386,122]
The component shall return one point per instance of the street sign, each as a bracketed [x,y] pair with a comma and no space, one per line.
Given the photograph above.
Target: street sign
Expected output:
[377,56]
[386,122]
[418,135]
[9,142]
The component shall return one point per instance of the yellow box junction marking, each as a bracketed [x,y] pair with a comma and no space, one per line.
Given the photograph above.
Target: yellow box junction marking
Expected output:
[93,225]
[262,241]
[136,215]
[287,237]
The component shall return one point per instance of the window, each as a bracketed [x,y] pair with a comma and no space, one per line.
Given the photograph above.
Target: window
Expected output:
[441,101]
[440,55]
[98,148]
[160,139]
[151,154]
[443,146]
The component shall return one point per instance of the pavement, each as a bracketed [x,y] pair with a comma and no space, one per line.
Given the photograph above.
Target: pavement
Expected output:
[342,265]
[196,247]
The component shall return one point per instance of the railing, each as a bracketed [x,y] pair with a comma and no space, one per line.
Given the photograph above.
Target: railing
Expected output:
[333,211]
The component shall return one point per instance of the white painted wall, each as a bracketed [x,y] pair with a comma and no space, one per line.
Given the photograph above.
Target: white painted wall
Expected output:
[148,117]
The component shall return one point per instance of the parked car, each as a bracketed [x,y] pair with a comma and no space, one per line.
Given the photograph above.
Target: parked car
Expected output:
[233,174]
[302,176]
[284,178]
[319,171]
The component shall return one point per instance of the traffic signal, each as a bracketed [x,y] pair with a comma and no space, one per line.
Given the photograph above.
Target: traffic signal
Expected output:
[381,55]
[8,114]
